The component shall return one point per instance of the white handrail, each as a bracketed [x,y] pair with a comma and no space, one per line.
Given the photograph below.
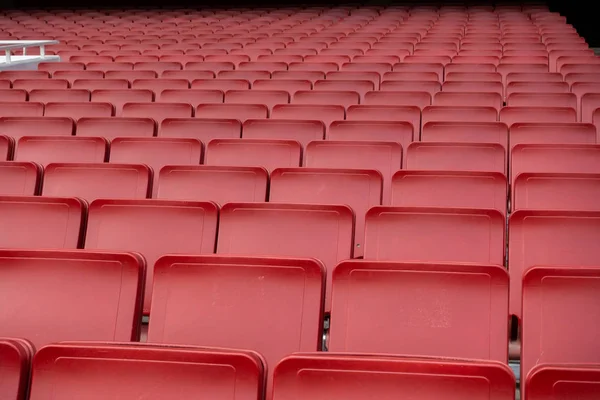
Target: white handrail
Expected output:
[9,45]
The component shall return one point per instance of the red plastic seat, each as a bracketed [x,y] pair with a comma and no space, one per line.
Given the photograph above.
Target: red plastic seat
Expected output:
[78,110]
[459,114]
[190,96]
[17,127]
[540,133]
[269,154]
[261,66]
[325,113]
[19,178]
[354,377]
[156,152]
[15,355]
[469,99]
[30,84]
[200,128]
[290,86]
[430,87]
[311,76]
[47,149]
[473,87]
[321,97]
[153,228]
[24,74]
[21,109]
[483,72]
[110,128]
[107,285]
[267,97]
[505,69]
[576,77]
[545,378]
[439,156]
[398,98]
[452,189]
[35,222]
[361,112]
[251,286]
[158,85]
[302,131]
[556,191]
[511,115]
[213,183]
[385,157]
[187,75]
[412,75]
[60,95]
[95,84]
[118,98]
[533,77]
[93,181]
[537,87]
[52,67]
[271,229]
[420,234]
[590,102]
[421,67]
[473,76]
[395,289]
[13,95]
[518,99]
[354,76]
[241,112]
[213,66]
[553,239]
[157,66]
[108,365]
[158,111]
[129,75]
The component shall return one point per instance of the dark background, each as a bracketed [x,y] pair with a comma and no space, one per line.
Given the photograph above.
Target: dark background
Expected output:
[583,18]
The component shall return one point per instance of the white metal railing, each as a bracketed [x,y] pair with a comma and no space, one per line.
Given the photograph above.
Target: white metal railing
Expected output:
[8,46]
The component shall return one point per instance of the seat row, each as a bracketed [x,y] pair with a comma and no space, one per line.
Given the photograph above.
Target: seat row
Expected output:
[176,370]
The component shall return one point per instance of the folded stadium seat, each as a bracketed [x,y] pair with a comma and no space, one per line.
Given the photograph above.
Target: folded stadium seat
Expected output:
[261,66]
[93,181]
[17,127]
[110,128]
[36,222]
[556,191]
[107,365]
[324,113]
[130,76]
[5,84]
[323,97]
[473,87]
[459,113]
[327,58]
[108,66]
[562,232]
[266,153]
[429,87]
[21,109]
[381,131]
[323,67]
[385,157]
[472,76]
[16,75]
[156,152]
[19,179]
[505,69]
[152,228]
[531,99]
[478,332]
[343,376]
[380,68]
[581,89]
[187,75]
[511,115]
[248,75]
[133,59]
[74,76]
[552,133]
[562,61]
[157,66]
[268,98]
[59,95]
[85,60]
[359,86]
[200,128]
[469,99]
[468,68]
[240,112]
[13,95]
[392,234]
[220,184]
[52,67]
[221,84]
[107,285]
[366,112]
[590,102]
[327,233]
[158,111]
[46,149]
[569,69]
[290,86]
[278,60]
[537,87]
[214,67]
[190,96]
[158,85]
[575,77]
[534,77]
[410,76]
[398,98]
[551,379]
[447,189]
[95,84]
[311,76]
[30,84]
[15,355]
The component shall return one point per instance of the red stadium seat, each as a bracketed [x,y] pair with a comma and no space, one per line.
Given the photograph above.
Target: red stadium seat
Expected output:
[399,98]
[30,84]
[291,86]
[200,128]
[540,133]
[472,76]
[78,110]
[267,97]
[16,360]
[518,99]
[301,131]
[240,112]
[382,131]
[152,228]
[72,149]
[359,189]
[17,127]
[311,76]
[247,75]
[550,239]
[95,84]
[190,96]
[212,183]
[533,77]
[325,113]
[108,365]
[420,234]
[361,112]
[556,191]
[271,229]
[546,378]
[110,128]
[107,285]
[248,286]
[158,111]
[452,189]
[128,75]
[187,75]
[19,178]
[118,98]
[59,95]
[94,181]
[421,67]
[511,115]
[13,95]
[321,97]
[17,74]
[473,87]
[354,377]
[396,289]
[21,109]
[459,114]
[269,154]
[469,99]
[158,85]
[385,157]
[537,87]
[37,222]
[440,156]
